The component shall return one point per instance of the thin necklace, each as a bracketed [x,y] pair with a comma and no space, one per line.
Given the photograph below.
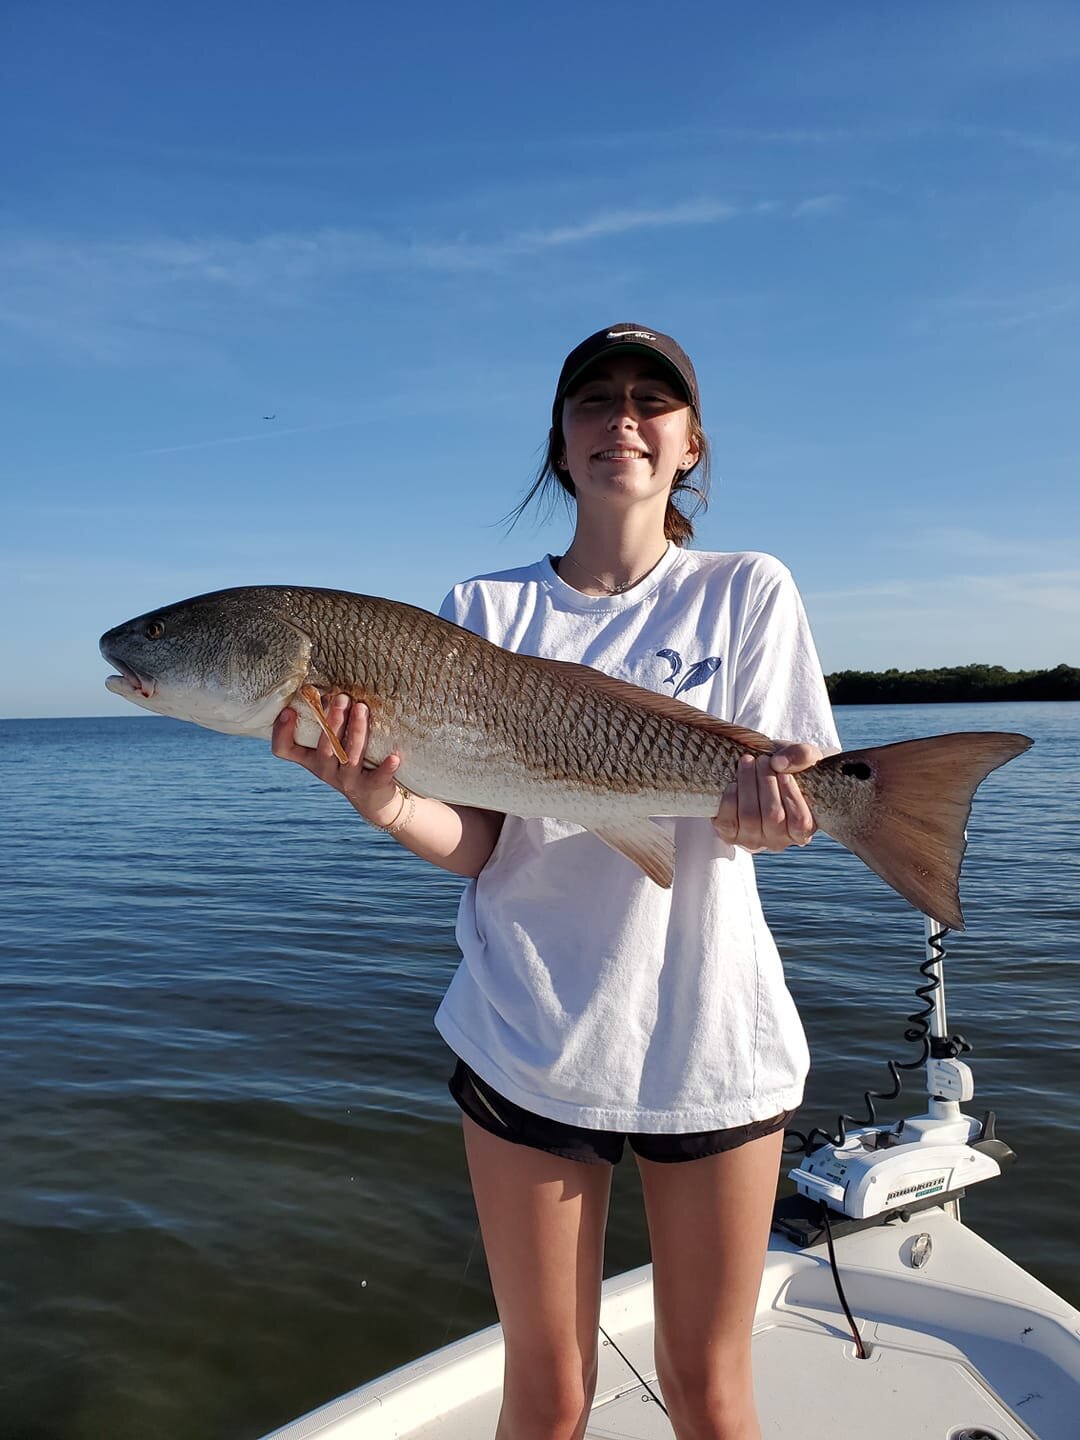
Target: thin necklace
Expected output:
[615,589]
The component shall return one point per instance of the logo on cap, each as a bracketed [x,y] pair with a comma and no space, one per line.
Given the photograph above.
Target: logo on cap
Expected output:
[630,335]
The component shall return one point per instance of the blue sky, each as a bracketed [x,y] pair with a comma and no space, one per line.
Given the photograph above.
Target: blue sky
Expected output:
[385,226]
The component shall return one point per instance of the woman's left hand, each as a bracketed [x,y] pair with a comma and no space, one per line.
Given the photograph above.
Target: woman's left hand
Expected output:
[763,808]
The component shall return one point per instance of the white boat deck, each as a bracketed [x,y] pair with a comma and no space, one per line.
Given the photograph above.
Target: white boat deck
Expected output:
[967,1347]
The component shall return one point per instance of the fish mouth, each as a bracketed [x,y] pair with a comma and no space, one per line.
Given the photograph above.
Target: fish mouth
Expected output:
[128,681]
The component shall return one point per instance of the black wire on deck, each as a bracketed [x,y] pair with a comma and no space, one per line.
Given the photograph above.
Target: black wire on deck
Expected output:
[860,1349]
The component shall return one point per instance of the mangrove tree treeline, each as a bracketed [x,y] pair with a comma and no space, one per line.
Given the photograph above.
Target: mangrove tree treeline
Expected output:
[960,682]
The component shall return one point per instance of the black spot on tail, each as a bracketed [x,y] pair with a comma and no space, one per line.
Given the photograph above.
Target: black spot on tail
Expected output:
[858,768]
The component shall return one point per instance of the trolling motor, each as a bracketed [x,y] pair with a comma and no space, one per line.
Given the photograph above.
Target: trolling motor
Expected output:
[872,1173]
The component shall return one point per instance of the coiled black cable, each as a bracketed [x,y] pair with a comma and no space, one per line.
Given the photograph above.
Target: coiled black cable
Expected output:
[916,1033]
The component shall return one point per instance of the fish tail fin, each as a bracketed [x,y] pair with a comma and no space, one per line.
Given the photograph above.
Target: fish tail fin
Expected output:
[908,824]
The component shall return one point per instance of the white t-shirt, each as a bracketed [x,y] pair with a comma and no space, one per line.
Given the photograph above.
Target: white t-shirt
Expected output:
[586,993]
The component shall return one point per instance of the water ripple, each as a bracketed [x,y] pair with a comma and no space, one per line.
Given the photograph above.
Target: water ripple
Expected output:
[233,1181]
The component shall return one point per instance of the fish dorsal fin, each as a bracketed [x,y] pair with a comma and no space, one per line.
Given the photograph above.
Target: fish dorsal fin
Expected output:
[663,705]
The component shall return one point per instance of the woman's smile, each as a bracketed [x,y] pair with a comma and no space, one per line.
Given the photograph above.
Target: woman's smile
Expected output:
[623,453]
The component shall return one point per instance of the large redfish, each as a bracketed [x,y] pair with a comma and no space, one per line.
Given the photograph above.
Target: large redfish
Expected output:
[478,725]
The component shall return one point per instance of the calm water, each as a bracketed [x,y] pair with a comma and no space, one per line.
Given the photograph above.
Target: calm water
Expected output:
[232,1184]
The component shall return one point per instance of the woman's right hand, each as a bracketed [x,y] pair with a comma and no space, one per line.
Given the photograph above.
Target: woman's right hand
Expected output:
[373,792]
[457,838]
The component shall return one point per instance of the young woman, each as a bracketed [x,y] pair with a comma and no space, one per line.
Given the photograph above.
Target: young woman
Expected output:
[592,1007]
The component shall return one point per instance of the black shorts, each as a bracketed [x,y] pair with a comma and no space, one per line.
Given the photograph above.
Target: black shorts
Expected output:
[499,1116]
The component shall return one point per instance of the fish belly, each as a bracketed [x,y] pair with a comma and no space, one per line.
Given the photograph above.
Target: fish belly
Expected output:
[514,790]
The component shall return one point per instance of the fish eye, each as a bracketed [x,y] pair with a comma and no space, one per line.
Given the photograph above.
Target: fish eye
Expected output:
[155,629]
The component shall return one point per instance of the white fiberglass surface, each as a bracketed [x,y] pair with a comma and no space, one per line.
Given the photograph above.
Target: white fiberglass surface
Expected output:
[969,1342]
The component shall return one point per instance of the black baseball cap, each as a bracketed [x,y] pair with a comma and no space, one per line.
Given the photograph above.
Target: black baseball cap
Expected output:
[628,336]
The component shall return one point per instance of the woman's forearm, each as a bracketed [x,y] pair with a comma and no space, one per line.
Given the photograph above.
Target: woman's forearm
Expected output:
[457,838]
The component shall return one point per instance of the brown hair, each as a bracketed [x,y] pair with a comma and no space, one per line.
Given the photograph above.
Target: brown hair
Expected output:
[551,479]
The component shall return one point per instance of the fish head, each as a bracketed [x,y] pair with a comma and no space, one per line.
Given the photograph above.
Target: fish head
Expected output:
[229,661]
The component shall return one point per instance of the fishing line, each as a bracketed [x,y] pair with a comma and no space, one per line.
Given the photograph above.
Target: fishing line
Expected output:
[634,1370]
[652,1395]
[461,1286]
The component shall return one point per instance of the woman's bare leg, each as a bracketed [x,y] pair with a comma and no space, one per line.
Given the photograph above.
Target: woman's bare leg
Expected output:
[542,1219]
[709,1230]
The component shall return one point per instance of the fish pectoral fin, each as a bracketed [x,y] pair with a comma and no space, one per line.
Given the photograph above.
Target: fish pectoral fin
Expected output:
[649,847]
[309,694]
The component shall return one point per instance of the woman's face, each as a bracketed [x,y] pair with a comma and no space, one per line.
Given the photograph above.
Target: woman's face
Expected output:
[626,430]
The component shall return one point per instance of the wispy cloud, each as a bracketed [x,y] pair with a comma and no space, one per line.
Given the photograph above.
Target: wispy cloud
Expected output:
[1003,312]
[619,222]
[104,296]
[1051,146]
[817,206]
[607,223]
[1052,590]
[963,545]
[243,264]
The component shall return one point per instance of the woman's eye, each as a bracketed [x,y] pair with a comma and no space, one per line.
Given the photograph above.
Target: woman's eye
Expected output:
[653,399]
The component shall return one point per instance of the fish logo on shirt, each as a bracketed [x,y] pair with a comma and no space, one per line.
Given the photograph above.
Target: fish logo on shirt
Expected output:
[697,674]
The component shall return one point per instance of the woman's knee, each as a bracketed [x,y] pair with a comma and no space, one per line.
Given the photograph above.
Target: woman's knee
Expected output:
[546,1399]
[709,1398]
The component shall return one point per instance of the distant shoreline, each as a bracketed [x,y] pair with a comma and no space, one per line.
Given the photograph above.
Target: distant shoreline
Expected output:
[959,684]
